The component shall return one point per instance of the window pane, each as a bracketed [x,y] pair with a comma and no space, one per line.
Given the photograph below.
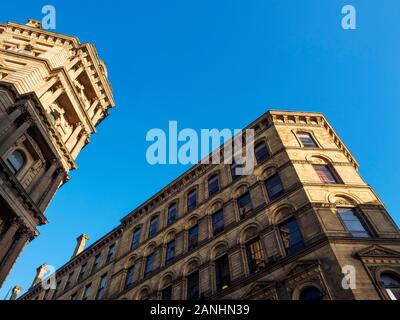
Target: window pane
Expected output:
[16,161]
[129,276]
[325,174]
[222,273]
[311,294]
[261,152]
[245,205]
[274,187]
[218,221]
[193,286]
[170,251]
[291,236]
[149,264]
[306,140]
[213,185]
[153,226]
[136,238]
[166,294]
[255,256]
[192,200]
[233,171]
[172,213]
[353,223]
[193,237]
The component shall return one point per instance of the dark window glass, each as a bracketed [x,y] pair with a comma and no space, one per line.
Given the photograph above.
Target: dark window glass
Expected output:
[193,286]
[392,285]
[353,223]
[245,205]
[172,213]
[234,174]
[96,263]
[136,238]
[192,200]
[82,272]
[193,237]
[69,279]
[153,226]
[130,276]
[261,152]
[166,293]
[86,292]
[101,288]
[222,273]
[274,187]
[310,293]
[291,236]
[255,256]
[307,140]
[16,161]
[213,185]
[110,255]
[58,284]
[170,251]
[149,264]
[325,173]
[218,222]
[74,296]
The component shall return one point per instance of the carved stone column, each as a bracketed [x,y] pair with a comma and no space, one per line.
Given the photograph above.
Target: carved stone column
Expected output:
[24,237]
[43,182]
[7,239]
[8,142]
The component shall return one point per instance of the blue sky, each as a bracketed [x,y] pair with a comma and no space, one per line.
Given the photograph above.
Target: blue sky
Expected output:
[217,64]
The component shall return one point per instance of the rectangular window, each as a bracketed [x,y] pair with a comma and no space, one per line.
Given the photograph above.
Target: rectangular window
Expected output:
[153,226]
[192,200]
[291,236]
[222,273]
[82,272]
[96,263]
[274,187]
[135,238]
[261,152]
[307,140]
[245,205]
[353,223]
[86,292]
[166,293]
[149,265]
[193,237]
[325,174]
[170,251]
[193,286]
[218,222]
[255,256]
[110,255]
[101,288]
[172,213]
[69,279]
[130,276]
[213,185]
[234,174]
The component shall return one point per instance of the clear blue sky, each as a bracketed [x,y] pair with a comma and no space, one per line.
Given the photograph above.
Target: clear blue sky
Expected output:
[217,63]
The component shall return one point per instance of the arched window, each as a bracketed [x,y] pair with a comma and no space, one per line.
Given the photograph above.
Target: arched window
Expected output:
[213,184]
[261,152]
[153,226]
[255,255]
[310,293]
[170,251]
[222,273]
[392,285]
[16,161]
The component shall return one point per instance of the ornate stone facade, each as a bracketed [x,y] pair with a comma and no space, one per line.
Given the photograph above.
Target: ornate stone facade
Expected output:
[285,232]
[53,92]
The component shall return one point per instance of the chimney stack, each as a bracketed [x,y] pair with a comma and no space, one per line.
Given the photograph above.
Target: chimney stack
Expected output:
[40,271]
[80,244]
[15,292]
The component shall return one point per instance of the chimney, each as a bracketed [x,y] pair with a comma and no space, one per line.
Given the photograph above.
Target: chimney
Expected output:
[40,271]
[34,23]
[80,244]
[15,292]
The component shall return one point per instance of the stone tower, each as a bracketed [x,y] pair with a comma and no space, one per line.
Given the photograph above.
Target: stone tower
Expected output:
[53,92]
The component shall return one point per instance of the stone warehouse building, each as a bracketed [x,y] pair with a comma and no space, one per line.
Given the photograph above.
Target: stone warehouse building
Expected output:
[285,232]
[53,92]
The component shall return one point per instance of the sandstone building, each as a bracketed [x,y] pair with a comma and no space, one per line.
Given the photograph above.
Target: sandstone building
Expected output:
[285,232]
[53,92]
